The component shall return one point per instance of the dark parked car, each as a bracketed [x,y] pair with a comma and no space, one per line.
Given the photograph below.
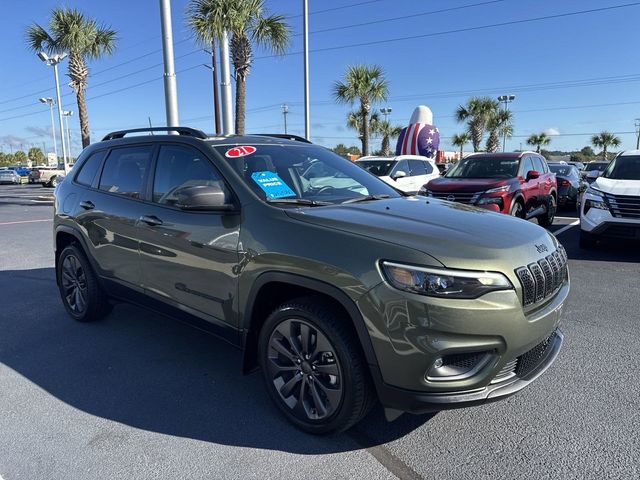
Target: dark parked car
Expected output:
[593,170]
[341,289]
[518,184]
[570,184]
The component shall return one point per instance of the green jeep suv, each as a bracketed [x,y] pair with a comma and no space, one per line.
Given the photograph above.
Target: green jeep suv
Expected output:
[340,289]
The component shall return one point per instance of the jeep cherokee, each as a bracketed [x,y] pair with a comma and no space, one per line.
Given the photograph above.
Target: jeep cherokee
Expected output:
[341,289]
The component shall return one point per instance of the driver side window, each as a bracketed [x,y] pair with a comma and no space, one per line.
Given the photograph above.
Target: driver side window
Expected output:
[179,167]
[527,166]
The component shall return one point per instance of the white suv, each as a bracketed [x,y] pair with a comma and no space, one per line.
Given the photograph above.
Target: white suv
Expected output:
[611,204]
[405,172]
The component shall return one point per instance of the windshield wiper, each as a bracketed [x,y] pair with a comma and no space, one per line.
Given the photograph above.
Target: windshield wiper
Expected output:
[299,201]
[366,198]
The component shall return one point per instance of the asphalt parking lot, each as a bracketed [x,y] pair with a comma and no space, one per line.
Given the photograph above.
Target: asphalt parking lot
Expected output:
[141,396]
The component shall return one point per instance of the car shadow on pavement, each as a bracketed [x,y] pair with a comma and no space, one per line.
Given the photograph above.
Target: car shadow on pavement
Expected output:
[153,373]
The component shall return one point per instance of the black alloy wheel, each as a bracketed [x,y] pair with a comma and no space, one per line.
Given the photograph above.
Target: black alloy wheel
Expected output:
[74,285]
[305,370]
[313,366]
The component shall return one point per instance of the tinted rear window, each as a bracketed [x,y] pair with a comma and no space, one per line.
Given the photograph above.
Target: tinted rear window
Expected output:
[89,169]
[125,169]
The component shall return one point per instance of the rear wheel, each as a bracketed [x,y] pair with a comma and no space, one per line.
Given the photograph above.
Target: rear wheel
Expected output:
[82,295]
[546,220]
[313,367]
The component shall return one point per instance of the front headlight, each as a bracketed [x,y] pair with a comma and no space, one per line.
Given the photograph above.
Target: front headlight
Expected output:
[504,188]
[593,191]
[424,191]
[443,283]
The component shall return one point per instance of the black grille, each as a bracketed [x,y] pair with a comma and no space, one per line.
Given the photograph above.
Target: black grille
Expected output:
[460,197]
[542,279]
[527,362]
[463,361]
[623,206]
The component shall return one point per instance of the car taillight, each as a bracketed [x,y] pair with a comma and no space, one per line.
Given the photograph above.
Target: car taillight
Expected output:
[565,183]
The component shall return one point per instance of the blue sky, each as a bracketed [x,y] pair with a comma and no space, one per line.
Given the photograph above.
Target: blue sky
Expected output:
[571,75]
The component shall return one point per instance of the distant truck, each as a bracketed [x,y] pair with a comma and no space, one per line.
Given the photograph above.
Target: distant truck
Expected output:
[46,176]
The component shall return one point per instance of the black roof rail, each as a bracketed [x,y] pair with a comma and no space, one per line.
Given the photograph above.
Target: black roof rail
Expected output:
[295,138]
[191,132]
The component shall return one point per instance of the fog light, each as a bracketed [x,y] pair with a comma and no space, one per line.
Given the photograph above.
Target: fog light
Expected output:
[437,363]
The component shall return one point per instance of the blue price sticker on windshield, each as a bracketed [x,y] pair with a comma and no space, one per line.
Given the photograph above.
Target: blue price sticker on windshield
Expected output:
[272,185]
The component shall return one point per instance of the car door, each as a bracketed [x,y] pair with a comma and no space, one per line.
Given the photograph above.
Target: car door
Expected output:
[546,181]
[109,207]
[529,187]
[188,258]
[403,183]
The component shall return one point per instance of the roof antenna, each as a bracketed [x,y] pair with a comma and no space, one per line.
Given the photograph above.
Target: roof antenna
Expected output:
[150,125]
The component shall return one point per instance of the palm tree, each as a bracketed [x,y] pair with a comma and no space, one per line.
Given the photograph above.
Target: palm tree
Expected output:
[477,113]
[72,32]
[387,131]
[354,121]
[539,140]
[500,126]
[249,22]
[605,140]
[460,140]
[366,84]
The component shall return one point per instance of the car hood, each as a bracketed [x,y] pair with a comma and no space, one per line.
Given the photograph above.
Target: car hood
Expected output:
[444,184]
[457,235]
[618,187]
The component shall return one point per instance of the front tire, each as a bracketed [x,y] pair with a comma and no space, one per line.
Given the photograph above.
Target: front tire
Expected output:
[81,293]
[546,220]
[313,368]
[517,209]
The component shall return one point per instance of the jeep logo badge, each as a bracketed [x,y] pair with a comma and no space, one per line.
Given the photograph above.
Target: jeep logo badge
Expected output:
[451,198]
[542,248]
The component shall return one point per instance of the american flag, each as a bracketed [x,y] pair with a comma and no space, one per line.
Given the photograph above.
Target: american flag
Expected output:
[418,139]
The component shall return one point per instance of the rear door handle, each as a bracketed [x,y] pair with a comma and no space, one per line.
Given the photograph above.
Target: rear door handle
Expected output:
[151,220]
[87,205]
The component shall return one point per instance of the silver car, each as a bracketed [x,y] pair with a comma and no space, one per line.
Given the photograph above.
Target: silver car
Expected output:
[9,176]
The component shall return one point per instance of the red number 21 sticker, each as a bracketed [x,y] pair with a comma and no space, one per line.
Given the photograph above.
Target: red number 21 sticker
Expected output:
[242,151]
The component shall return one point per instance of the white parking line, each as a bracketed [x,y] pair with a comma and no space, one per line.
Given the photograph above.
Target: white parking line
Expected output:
[566,227]
[565,218]
[25,221]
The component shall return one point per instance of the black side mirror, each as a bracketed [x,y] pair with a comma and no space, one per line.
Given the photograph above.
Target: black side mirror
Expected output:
[205,197]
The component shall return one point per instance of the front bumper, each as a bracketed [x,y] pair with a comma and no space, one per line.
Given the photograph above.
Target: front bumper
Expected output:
[602,223]
[410,333]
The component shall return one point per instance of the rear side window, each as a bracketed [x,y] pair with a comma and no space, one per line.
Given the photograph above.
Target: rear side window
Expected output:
[179,167]
[427,168]
[417,167]
[125,169]
[89,169]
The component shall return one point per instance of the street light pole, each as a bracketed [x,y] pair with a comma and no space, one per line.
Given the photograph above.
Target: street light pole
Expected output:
[305,33]
[67,114]
[225,86]
[49,101]
[170,89]
[54,61]
[637,133]
[386,111]
[285,111]
[214,81]
[507,99]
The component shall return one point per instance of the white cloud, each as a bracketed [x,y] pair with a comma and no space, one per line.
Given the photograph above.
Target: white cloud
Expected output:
[551,131]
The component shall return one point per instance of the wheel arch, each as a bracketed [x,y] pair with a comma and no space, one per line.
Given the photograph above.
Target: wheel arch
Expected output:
[65,236]
[273,288]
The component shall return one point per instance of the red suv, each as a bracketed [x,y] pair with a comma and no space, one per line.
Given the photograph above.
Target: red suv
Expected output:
[519,184]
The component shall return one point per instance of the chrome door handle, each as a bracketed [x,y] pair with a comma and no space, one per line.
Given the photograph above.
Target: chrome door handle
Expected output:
[87,205]
[151,220]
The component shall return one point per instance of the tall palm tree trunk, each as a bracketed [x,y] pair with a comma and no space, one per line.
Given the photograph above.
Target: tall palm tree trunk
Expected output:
[78,73]
[476,129]
[365,128]
[604,152]
[461,150]
[386,151]
[240,104]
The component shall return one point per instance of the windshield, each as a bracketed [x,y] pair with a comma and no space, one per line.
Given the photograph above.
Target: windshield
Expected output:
[624,168]
[485,167]
[379,168]
[305,172]
[562,170]
[595,166]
